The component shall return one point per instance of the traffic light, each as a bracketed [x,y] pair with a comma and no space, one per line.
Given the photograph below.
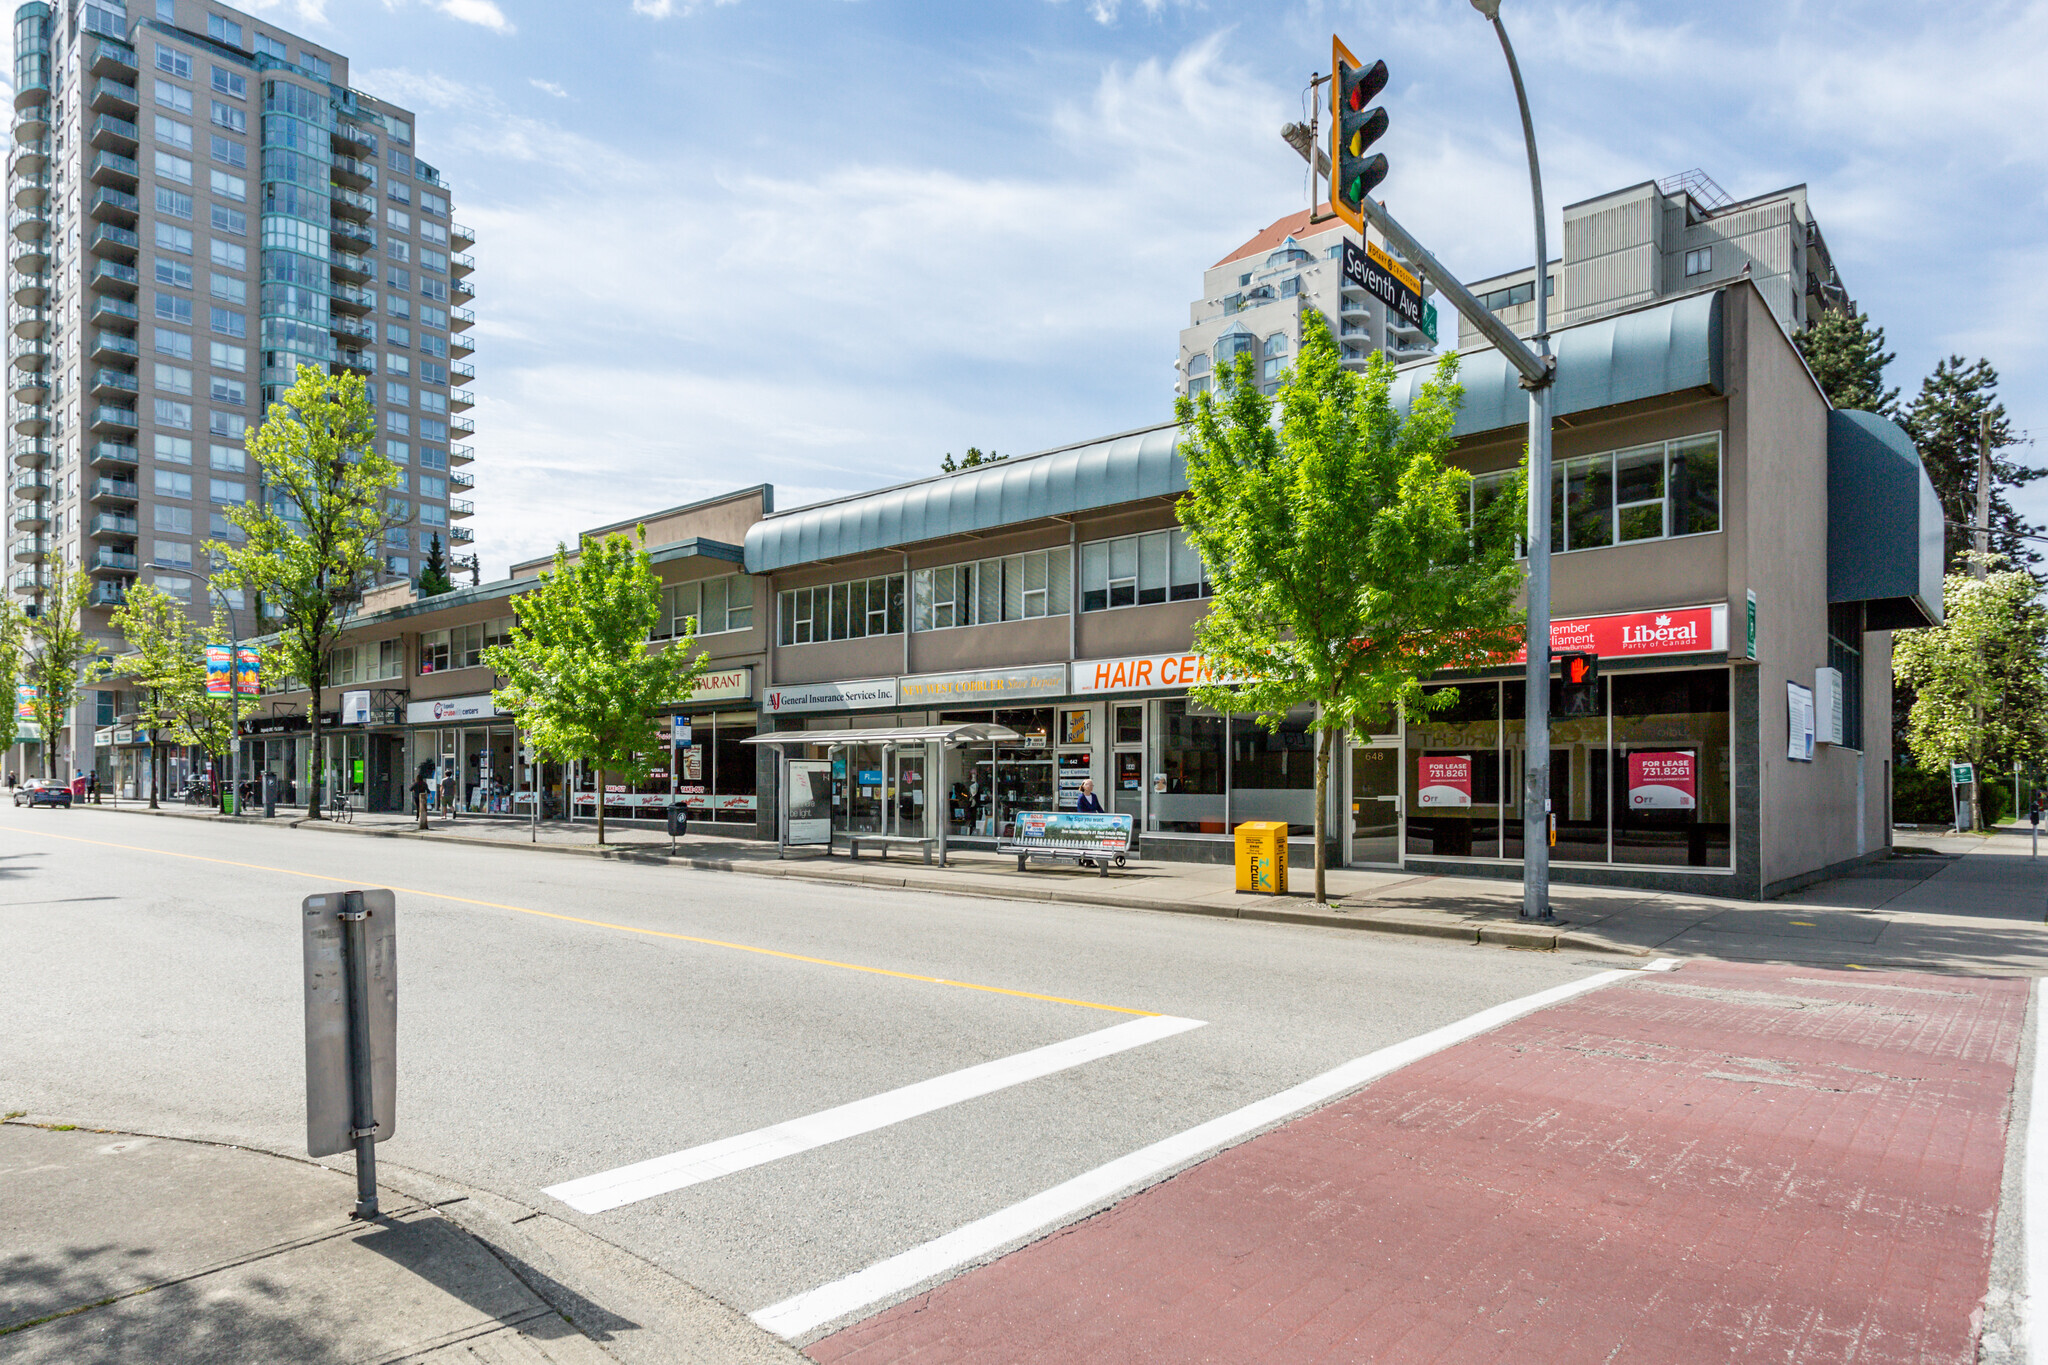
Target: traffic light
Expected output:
[1579,672]
[1354,127]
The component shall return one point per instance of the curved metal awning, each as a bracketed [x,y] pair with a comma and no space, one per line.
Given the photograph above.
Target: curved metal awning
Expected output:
[949,735]
[1666,348]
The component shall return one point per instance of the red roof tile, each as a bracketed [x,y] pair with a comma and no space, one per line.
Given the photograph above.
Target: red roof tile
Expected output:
[1293,225]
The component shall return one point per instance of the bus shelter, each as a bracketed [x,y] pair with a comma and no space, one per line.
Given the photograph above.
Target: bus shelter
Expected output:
[807,792]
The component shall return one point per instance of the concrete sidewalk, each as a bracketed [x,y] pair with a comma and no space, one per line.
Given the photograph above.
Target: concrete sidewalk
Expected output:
[1971,903]
[120,1248]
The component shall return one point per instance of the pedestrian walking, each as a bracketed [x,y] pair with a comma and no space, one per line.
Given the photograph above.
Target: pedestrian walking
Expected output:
[92,787]
[1088,803]
[419,798]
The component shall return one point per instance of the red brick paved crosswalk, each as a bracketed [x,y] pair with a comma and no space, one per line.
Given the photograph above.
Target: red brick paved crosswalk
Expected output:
[1731,1162]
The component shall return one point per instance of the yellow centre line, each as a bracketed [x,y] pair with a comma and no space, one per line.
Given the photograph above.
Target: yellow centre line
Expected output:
[621,928]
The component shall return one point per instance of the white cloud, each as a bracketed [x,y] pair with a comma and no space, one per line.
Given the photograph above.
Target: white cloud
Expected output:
[663,9]
[482,13]
[549,88]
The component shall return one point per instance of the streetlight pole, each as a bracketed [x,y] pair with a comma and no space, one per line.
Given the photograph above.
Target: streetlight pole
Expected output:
[234,696]
[1536,723]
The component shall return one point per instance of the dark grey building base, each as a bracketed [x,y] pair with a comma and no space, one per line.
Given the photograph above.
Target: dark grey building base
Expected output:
[1301,853]
[1788,885]
[1678,881]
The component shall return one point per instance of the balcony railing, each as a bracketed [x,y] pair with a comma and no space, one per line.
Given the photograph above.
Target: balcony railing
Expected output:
[30,187]
[463,370]
[351,327]
[113,166]
[461,400]
[461,454]
[355,232]
[30,386]
[113,203]
[113,343]
[28,354]
[461,535]
[106,59]
[104,558]
[108,93]
[460,264]
[353,199]
[30,548]
[113,272]
[352,263]
[460,319]
[107,453]
[107,308]
[118,242]
[461,479]
[31,486]
[29,287]
[461,236]
[462,426]
[362,172]
[27,224]
[109,130]
[461,289]
[114,381]
[31,580]
[461,507]
[106,415]
[112,524]
[108,594]
[125,490]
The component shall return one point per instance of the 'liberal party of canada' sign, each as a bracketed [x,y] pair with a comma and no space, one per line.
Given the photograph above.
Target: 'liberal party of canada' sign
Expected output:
[1639,634]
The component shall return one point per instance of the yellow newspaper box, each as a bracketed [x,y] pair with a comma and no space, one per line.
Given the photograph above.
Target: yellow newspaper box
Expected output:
[1262,857]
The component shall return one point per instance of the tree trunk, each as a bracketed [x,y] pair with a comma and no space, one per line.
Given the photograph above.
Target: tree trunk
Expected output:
[600,808]
[1322,811]
[153,766]
[313,754]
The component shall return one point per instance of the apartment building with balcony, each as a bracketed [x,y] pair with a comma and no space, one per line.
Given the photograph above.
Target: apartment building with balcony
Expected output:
[200,203]
[1256,299]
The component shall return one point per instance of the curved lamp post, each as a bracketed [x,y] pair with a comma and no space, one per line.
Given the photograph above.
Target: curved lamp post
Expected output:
[1536,729]
[234,695]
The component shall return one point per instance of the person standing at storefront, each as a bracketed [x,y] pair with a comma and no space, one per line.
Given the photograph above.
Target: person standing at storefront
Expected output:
[419,798]
[1087,803]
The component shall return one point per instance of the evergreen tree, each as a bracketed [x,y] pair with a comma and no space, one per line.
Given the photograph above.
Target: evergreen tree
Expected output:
[434,579]
[1943,421]
[1848,357]
[970,460]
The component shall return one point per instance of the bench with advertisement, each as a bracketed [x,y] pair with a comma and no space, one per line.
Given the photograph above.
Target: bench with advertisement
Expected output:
[1090,839]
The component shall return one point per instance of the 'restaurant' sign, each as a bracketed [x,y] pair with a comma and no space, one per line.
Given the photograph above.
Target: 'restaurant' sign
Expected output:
[1643,634]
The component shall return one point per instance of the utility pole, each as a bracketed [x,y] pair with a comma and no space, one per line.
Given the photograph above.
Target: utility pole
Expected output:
[1983,494]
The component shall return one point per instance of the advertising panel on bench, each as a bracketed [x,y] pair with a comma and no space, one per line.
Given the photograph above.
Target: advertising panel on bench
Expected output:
[1070,832]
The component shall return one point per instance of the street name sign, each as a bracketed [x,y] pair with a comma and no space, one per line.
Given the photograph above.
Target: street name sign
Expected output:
[1387,280]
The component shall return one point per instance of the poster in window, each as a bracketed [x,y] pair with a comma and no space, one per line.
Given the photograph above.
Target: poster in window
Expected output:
[1444,780]
[1074,727]
[810,802]
[1663,781]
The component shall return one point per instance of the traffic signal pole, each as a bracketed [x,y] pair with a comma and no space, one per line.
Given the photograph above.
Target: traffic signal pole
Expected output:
[1352,179]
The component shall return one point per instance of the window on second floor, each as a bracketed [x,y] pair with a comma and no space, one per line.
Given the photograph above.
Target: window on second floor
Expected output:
[1699,261]
[1137,571]
[1013,588]
[1650,492]
[841,611]
[462,646]
[721,604]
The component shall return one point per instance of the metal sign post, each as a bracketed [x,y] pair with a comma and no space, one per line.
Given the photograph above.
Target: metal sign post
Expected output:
[351,981]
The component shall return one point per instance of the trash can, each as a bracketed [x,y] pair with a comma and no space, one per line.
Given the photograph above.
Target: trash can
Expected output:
[678,821]
[1262,857]
[227,803]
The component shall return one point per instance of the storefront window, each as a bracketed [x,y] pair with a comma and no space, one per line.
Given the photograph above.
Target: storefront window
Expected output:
[1578,774]
[986,785]
[1451,776]
[1188,785]
[1273,772]
[1670,760]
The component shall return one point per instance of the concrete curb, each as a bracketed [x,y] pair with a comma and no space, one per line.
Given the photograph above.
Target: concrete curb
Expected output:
[1478,932]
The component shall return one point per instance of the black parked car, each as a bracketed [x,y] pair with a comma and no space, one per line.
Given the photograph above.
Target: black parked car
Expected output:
[41,791]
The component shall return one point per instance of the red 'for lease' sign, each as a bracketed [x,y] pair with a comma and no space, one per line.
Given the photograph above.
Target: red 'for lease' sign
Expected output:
[1662,782]
[1444,780]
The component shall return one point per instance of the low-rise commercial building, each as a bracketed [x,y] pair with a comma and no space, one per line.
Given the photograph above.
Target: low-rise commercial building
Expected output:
[1737,552]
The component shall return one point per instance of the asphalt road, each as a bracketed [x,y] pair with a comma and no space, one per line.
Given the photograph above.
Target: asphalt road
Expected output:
[150,980]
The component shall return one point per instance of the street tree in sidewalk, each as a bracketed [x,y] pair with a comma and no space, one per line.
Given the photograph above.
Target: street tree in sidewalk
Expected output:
[1980,679]
[165,663]
[1347,563]
[577,670]
[311,540]
[63,657]
[1847,357]
[13,627]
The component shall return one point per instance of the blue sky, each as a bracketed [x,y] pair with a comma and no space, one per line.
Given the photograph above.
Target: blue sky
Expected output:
[820,243]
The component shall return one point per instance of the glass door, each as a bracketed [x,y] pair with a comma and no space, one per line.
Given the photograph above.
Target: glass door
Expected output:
[1375,830]
[910,794]
[1127,763]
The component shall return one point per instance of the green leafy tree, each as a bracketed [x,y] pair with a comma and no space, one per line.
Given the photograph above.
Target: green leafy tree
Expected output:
[1944,423]
[1980,679]
[434,579]
[578,672]
[1847,356]
[973,458]
[65,658]
[13,626]
[166,663]
[1347,568]
[312,538]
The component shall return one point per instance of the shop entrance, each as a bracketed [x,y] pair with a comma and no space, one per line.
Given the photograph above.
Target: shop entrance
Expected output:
[1127,786]
[1373,837]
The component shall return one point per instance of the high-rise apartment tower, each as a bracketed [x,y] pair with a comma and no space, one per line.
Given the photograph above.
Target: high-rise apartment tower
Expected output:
[200,204]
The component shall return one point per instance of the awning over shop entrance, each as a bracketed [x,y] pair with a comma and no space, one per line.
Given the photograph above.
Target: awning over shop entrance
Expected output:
[895,737]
